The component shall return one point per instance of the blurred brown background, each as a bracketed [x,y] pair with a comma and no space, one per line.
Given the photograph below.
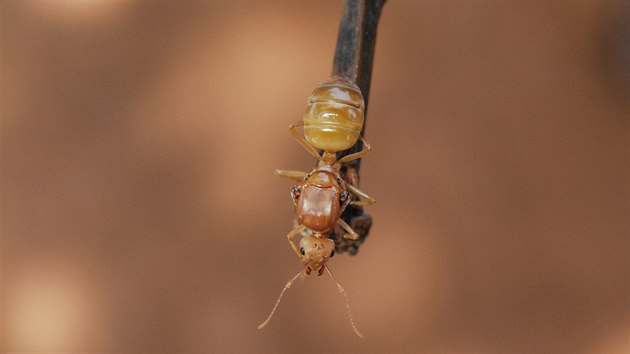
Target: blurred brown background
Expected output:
[140,212]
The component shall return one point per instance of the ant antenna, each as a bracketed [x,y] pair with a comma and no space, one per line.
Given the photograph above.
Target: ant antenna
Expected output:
[287,286]
[345,296]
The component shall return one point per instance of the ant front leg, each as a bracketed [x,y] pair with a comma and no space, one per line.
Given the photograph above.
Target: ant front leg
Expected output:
[357,155]
[311,150]
[296,176]
[296,231]
[361,194]
[351,234]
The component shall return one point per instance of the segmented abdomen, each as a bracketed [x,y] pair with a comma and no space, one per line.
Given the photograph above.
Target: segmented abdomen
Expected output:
[334,115]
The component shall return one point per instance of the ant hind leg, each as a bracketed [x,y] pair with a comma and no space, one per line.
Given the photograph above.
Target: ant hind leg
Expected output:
[357,155]
[296,176]
[311,150]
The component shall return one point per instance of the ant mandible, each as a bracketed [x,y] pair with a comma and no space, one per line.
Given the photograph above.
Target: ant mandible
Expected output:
[332,123]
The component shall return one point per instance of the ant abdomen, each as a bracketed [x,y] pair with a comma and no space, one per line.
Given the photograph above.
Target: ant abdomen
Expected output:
[334,115]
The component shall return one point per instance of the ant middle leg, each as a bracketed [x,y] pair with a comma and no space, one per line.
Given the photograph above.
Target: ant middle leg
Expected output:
[367,200]
[351,234]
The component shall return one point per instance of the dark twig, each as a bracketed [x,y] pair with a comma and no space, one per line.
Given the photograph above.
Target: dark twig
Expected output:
[356,41]
[353,59]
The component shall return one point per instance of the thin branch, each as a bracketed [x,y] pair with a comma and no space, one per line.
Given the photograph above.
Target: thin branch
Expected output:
[356,41]
[354,56]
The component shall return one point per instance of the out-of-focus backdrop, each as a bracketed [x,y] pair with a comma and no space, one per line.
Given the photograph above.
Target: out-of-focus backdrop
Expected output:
[140,212]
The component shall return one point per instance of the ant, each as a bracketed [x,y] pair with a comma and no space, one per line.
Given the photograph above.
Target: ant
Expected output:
[332,123]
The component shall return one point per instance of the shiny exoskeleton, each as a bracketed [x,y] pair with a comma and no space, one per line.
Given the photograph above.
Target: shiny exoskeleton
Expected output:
[332,123]
[320,200]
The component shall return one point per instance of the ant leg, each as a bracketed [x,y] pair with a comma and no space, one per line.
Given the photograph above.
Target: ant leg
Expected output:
[296,176]
[296,231]
[351,234]
[311,150]
[361,194]
[357,155]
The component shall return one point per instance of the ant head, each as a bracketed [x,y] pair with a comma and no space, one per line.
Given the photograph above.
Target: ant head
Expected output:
[316,251]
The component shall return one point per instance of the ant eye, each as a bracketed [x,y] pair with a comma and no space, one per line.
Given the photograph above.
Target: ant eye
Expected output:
[302,250]
[332,254]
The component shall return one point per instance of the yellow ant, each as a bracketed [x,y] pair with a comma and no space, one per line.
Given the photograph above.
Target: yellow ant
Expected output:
[332,123]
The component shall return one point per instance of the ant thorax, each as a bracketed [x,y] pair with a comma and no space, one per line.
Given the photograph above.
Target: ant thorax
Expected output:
[320,199]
